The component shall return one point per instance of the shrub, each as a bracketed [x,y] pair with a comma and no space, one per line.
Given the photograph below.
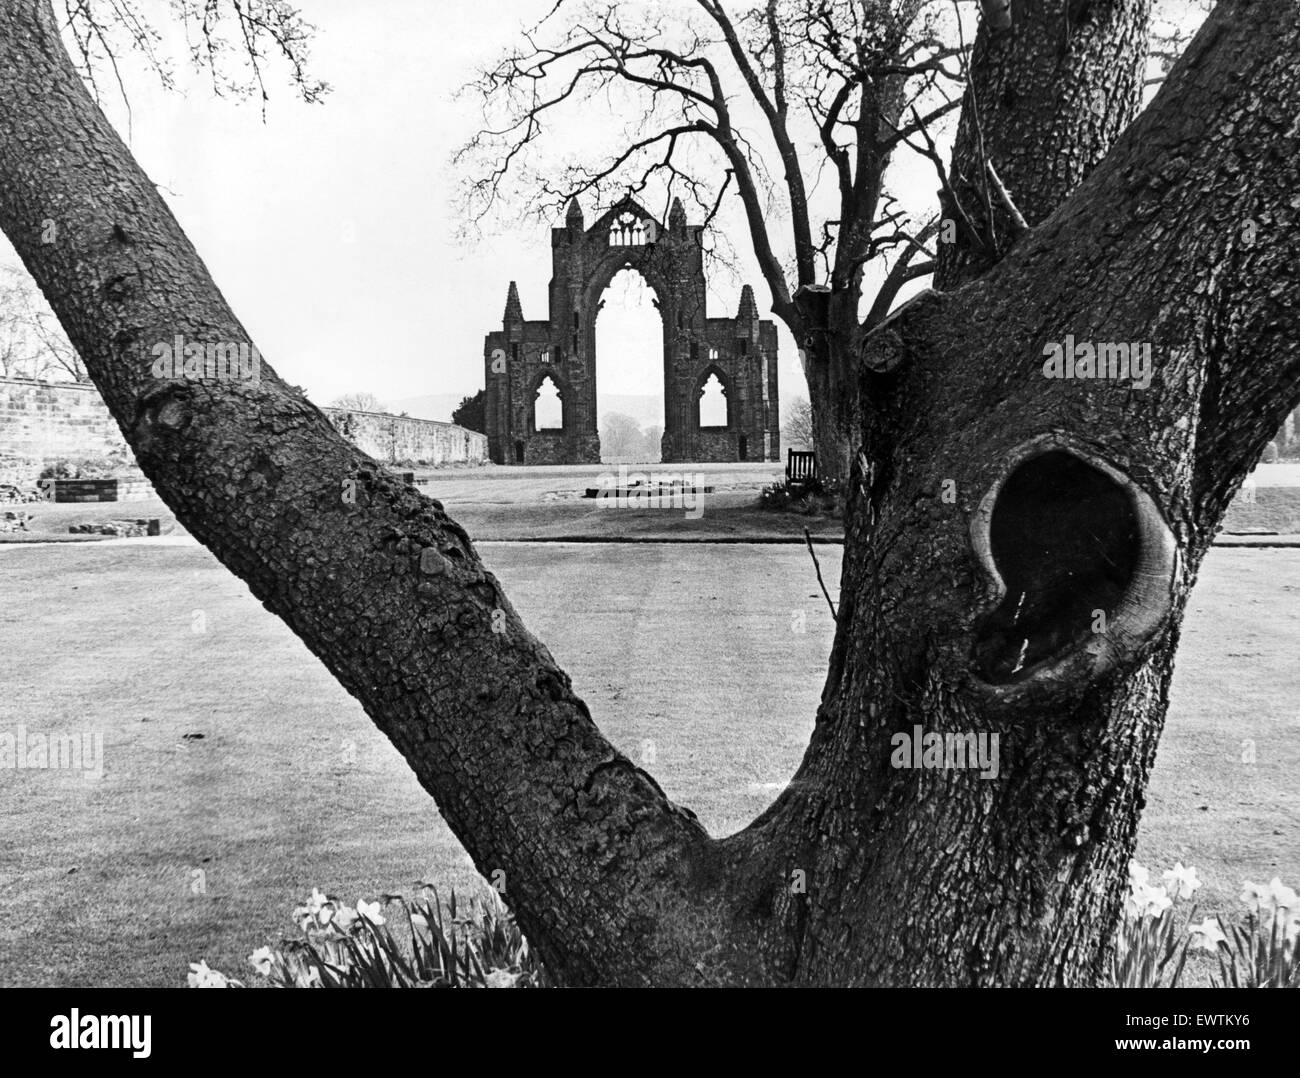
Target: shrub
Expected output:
[474,945]
[87,468]
[1154,940]
[60,469]
[810,497]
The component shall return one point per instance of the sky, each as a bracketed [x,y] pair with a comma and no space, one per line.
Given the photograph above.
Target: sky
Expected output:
[331,228]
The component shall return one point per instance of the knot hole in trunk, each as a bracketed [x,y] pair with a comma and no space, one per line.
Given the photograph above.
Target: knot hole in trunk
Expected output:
[1080,565]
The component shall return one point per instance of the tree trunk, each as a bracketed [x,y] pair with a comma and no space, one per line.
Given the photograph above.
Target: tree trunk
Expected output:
[969,603]
[836,422]
[826,323]
[1045,103]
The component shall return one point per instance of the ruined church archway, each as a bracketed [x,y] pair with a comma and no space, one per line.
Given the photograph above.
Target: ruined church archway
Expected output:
[743,349]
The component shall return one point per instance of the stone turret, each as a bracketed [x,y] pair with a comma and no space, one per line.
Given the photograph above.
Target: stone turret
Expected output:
[748,312]
[574,220]
[677,218]
[514,309]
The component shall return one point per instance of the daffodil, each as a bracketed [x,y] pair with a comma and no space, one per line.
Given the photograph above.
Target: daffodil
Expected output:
[344,918]
[1282,897]
[1137,874]
[308,979]
[1208,934]
[1252,894]
[1146,901]
[1182,881]
[202,976]
[500,978]
[262,960]
[371,911]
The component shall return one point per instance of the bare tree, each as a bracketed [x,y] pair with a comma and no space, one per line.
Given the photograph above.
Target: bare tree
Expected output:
[621,436]
[31,343]
[796,425]
[795,88]
[358,402]
[1019,548]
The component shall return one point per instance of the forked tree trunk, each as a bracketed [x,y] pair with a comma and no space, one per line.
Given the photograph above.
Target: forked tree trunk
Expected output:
[1045,103]
[969,603]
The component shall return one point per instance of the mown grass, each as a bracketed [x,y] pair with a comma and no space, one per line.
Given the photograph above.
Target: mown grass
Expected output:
[198,847]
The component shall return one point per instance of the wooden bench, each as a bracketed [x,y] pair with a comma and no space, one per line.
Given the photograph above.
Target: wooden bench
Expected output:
[800,467]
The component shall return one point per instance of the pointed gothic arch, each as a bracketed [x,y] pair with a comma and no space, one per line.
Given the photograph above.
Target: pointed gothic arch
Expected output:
[710,374]
[742,350]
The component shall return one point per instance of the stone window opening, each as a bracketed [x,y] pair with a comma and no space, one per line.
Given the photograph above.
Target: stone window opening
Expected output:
[712,403]
[627,230]
[548,406]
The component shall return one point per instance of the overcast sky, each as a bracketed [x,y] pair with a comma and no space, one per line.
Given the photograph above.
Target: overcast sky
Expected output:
[331,227]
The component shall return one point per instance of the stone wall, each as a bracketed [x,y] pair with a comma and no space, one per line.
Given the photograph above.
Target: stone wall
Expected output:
[56,421]
[44,422]
[391,438]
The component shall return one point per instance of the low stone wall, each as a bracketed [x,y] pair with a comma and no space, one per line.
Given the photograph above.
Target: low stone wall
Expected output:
[97,490]
[390,438]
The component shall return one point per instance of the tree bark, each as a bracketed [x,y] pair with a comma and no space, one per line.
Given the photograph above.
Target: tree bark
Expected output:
[1045,102]
[965,602]
[938,877]
[375,578]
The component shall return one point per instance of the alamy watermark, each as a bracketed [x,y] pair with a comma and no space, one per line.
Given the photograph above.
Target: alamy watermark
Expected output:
[1114,360]
[656,490]
[84,752]
[214,361]
[947,751]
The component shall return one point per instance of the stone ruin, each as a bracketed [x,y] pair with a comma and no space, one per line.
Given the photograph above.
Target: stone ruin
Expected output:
[558,354]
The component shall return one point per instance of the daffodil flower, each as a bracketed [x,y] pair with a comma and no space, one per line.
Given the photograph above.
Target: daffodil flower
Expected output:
[202,976]
[1146,901]
[1283,897]
[1182,881]
[262,960]
[308,979]
[1208,934]
[1252,894]
[370,911]
[500,978]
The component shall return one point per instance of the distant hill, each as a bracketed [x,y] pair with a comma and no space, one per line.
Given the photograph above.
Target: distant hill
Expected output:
[646,409]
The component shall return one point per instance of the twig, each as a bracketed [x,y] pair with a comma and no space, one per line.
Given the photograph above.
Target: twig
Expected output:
[817,565]
[1018,223]
[930,151]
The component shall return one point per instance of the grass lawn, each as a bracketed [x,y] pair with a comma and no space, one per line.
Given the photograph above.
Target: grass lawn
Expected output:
[530,503]
[197,847]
